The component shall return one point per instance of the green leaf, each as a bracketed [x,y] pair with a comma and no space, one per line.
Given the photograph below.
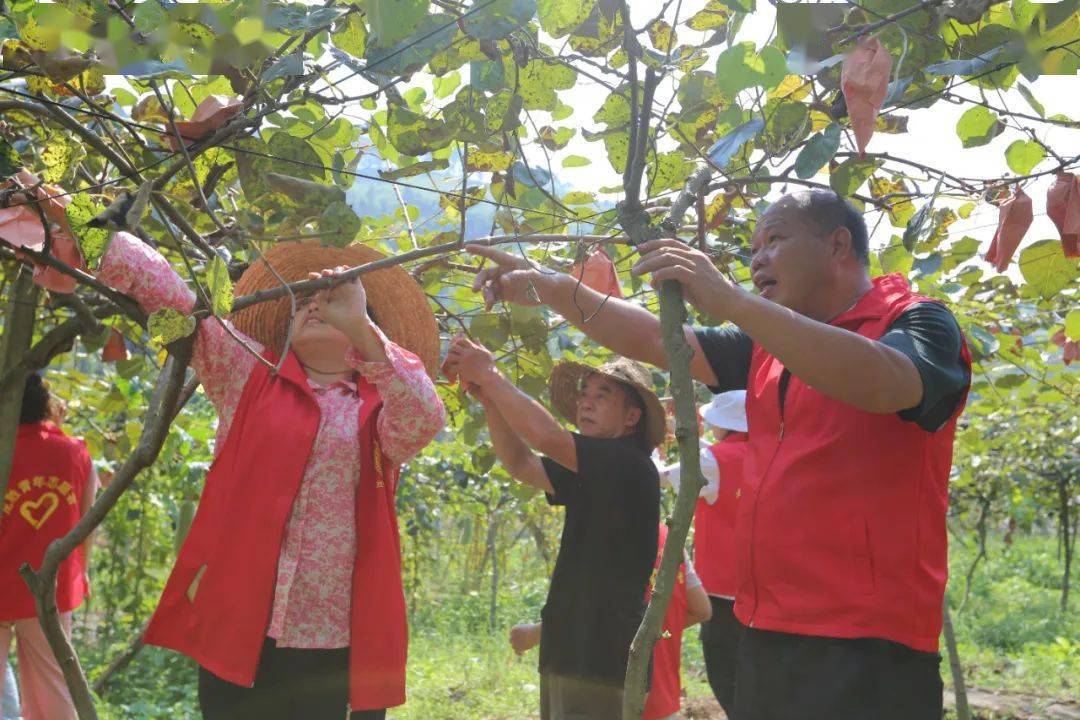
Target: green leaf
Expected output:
[1045,267]
[289,65]
[572,161]
[559,17]
[393,20]
[304,193]
[669,170]
[432,34]
[168,325]
[446,84]
[1023,155]
[340,224]
[1030,97]
[919,222]
[896,258]
[724,148]
[493,330]
[1072,325]
[9,160]
[818,151]
[352,35]
[849,176]
[978,126]
[986,343]
[415,134]
[497,19]
[220,286]
[539,81]
[415,169]
[92,241]
[743,66]
[295,156]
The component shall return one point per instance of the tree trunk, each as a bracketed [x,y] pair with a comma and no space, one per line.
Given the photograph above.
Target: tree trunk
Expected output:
[18,332]
[1066,532]
[492,536]
[963,712]
[672,320]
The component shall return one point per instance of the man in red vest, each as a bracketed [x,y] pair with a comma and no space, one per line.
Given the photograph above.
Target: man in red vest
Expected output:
[854,385]
[51,485]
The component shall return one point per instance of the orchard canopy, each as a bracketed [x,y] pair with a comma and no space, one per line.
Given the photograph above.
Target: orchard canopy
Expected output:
[554,128]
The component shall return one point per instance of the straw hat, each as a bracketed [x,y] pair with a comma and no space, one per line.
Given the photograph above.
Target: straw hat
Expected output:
[396,301]
[727,411]
[565,387]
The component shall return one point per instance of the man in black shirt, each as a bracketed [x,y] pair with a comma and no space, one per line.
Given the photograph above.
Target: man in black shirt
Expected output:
[854,385]
[605,479]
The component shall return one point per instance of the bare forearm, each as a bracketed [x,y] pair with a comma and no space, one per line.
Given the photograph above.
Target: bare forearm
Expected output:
[528,419]
[842,364]
[509,447]
[624,327]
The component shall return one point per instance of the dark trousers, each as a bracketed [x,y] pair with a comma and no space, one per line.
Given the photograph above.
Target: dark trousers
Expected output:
[291,684]
[797,677]
[720,646]
[568,698]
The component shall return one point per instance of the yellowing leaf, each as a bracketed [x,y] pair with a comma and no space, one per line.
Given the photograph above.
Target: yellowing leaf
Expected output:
[793,87]
[220,286]
[168,325]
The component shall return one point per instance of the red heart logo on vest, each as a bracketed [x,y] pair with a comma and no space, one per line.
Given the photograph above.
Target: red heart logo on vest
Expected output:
[35,514]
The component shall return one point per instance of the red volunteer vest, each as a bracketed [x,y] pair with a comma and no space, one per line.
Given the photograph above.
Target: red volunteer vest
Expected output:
[42,502]
[229,559]
[714,525]
[665,693]
[840,531]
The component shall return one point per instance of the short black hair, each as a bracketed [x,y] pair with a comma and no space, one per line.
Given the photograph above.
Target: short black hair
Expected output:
[829,211]
[35,401]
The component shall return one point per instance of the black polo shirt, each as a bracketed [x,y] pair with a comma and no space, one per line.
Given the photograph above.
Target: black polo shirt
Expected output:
[606,556]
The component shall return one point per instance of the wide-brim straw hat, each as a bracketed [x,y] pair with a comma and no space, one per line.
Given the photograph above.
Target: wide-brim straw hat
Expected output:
[394,298]
[565,388]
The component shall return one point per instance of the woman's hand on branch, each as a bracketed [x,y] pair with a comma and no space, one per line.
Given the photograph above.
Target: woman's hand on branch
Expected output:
[510,279]
[703,284]
[343,305]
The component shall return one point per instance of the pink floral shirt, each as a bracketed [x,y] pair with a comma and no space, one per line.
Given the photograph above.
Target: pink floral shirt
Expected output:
[314,578]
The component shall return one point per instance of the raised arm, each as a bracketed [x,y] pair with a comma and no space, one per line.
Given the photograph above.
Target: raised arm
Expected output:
[516,420]
[854,369]
[223,364]
[519,460]
[412,413]
[624,327]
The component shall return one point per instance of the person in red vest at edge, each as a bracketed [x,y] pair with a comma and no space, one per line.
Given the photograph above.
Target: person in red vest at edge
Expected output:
[689,605]
[854,386]
[287,589]
[610,488]
[714,536]
[51,485]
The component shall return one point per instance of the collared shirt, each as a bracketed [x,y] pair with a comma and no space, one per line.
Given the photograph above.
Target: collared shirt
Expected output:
[313,590]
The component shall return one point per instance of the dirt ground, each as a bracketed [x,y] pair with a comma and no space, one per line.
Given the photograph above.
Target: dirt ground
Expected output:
[985,705]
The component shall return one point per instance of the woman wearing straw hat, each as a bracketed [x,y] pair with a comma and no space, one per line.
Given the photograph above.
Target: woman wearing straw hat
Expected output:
[287,589]
[603,476]
[714,537]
